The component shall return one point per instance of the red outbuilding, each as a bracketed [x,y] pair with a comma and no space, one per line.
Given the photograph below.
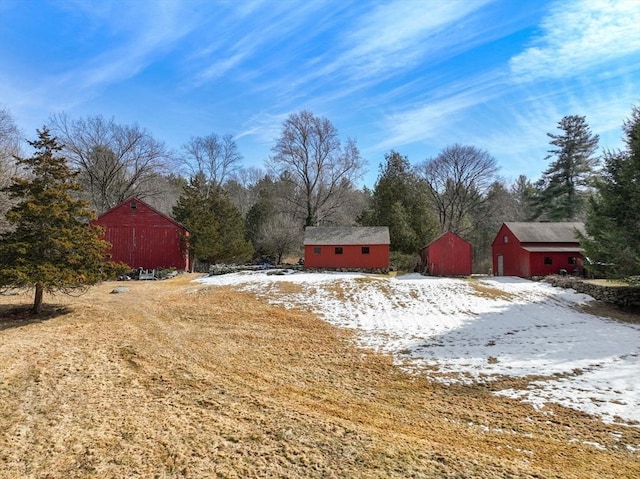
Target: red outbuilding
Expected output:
[447,255]
[142,237]
[365,247]
[537,249]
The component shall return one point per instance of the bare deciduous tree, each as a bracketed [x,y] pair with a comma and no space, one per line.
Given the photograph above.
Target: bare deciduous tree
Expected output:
[457,181]
[9,149]
[280,235]
[214,157]
[115,161]
[242,188]
[322,170]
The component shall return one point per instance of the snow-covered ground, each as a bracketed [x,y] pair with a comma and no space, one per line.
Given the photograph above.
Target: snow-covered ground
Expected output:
[479,330]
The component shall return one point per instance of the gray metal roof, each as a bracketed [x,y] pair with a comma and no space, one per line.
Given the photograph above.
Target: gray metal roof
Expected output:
[541,232]
[346,235]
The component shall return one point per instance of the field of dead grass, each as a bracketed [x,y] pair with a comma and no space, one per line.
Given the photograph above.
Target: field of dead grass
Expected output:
[174,379]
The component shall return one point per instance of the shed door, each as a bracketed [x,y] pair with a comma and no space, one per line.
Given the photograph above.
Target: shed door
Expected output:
[500,265]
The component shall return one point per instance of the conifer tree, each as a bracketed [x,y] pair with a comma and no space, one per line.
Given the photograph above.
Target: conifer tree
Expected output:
[49,246]
[612,243]
[560,191]
[216,228]
[400,202]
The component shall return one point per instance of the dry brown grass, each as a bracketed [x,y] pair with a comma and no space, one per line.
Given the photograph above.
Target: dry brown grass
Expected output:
[600,308]
[175,380]
[485,291]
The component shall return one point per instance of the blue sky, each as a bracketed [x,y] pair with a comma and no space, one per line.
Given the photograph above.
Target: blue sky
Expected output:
[410,75]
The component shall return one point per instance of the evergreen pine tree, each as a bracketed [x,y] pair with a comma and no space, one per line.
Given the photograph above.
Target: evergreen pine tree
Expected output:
[612,243]
[49,246]
[561,189]
[399,201]
[215,225]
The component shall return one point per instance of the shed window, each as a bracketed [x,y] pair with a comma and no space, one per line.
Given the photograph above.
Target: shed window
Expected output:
[338,249]
[548,260]
[505,239]
[133,205]
[573,260]
[317,250]
[365,250]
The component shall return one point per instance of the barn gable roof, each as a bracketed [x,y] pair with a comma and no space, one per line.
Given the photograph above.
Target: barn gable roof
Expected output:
[439,237]
[541,232]
[147,205]
[346,235]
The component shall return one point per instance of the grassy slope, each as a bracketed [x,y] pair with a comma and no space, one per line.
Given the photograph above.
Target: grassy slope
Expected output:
[174,380]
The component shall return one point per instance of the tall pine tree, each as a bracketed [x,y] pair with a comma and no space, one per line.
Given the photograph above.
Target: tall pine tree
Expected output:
[49,247]
[612,242]
[561,190]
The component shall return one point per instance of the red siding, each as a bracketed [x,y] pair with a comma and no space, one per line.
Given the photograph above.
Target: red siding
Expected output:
[447,255]
[559,260]
[142,237]
[517,261]
[351,257]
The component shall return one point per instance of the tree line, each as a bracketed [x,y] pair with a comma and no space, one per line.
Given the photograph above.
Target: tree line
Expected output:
[310,178]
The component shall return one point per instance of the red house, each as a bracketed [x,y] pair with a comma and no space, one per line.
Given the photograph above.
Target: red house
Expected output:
[142,237]
[537,249]
[364,247]
[447,255]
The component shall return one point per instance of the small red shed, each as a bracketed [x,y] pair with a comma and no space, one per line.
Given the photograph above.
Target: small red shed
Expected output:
[447,255]
[142,237]
[351,247]
[537,249]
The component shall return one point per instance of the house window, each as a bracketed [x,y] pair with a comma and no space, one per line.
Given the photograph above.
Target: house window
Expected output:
[548,260]
[365,250]
[317,250]
[573,260]
[505,239]
[338,249]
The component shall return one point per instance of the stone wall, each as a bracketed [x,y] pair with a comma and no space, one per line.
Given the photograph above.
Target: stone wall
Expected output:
[624,296]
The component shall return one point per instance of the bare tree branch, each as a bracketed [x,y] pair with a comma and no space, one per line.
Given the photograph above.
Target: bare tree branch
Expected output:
[10,148]
[310,154]
[457,180]
[215,158]
[115,161]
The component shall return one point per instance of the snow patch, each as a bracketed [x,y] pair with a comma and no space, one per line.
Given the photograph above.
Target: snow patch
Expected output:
[479,330]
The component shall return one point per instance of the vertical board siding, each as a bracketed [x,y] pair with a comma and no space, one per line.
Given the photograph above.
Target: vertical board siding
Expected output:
[515,259]
[447,255]
[143,237]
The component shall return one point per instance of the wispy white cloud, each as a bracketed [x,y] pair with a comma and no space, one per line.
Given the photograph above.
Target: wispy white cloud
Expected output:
[136,38]
[375,46]
[435,117]
[263,127]
[151,33]
[577,36]
[248,36]
[393,38]
[398,34]
[514,129]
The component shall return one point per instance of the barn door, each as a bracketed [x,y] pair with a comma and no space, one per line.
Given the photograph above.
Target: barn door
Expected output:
[500,265]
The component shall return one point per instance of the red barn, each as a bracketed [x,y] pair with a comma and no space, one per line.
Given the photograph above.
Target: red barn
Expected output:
[364,247]
[537,249]
[142,237]
[447,255]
